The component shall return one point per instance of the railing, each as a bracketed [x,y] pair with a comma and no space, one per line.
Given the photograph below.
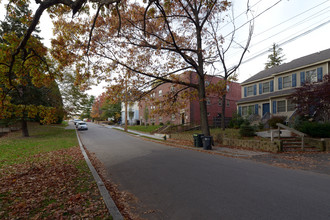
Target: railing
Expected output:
[300,134]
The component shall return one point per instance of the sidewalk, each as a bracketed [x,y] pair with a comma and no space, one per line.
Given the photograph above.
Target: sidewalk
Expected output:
[222,150]
[136,132]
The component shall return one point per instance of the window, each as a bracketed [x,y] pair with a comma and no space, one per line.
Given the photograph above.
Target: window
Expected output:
[220,102]
[208,114]
[249,90]
[291,106]
[160,93]
[173,117]
[311,76]
[160,119]
[265,87]
[228,103]
[281,106]
[207,83]
[251,109]
[287,82]
[208,101]
[172,88]
[248,110]
[227,87]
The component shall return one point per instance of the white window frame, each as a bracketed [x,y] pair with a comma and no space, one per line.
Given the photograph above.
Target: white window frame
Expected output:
[173,117]
[220,102]
[208,101]
[279,107]
[287,82]
[227,103]
[265,89]
[250,91]
[311,76]
[160,93]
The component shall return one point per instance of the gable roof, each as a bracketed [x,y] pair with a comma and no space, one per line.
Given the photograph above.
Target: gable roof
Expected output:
[302,61]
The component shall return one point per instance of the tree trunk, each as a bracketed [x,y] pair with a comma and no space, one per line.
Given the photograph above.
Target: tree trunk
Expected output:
[223,112]
[203,108]
[25,131]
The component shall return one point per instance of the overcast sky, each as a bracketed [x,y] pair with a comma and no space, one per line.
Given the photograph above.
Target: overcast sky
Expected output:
[300,27]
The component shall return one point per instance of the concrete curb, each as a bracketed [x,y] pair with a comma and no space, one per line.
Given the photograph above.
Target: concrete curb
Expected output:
[112,208]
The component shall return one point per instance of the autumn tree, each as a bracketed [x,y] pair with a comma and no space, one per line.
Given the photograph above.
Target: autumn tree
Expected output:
[158,40]
[26,80]
[104,108]
[76,102]
[275,58]
[313,99]
[155,39]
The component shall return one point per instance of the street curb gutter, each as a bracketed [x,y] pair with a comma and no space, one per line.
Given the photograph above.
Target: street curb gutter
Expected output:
[112,208]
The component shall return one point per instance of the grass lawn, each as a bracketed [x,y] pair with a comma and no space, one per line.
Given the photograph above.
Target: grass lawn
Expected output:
[146,129]
[46,176]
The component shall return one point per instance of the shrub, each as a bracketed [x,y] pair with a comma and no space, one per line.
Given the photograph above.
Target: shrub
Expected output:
[161,124]
[315,129]
[246,130]
[236,121]
[276,119]
[142,123]
[153,123]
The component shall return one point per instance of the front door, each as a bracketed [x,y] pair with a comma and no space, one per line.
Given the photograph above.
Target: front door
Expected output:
[265,108]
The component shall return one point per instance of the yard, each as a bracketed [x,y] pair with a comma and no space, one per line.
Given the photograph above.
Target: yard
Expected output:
[45,176]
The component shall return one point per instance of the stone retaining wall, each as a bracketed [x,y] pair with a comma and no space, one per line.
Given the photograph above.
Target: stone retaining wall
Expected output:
[252,144]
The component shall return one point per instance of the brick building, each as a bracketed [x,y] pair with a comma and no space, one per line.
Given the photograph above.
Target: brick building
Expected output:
[187,110]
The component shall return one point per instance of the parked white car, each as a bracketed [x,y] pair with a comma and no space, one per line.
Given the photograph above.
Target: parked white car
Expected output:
[82,126]
[75,121]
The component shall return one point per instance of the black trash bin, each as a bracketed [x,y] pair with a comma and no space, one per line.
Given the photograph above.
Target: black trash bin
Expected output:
[198,140]
[195,136]
[207,142]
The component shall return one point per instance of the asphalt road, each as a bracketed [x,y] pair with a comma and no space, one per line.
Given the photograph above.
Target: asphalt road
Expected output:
[173,183]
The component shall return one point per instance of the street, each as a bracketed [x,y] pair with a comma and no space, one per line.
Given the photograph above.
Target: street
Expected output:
[174,183]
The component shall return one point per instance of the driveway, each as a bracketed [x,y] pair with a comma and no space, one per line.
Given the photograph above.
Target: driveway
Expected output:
[174,183]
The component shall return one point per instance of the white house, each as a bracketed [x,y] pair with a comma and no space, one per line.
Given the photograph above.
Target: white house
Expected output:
[132,115]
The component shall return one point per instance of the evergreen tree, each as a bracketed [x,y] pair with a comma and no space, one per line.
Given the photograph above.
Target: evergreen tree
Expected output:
[275,58]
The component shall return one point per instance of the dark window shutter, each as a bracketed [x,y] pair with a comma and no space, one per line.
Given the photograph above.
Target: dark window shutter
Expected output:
[271,85]
[274,107]
[260,88]
[279,83]
[319,74]
[256,109]
[302,78]
[294,80]
[255,89]
[245,91]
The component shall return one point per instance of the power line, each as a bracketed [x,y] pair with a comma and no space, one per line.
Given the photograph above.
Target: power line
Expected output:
[288,41]
[317,14]
[253,18]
